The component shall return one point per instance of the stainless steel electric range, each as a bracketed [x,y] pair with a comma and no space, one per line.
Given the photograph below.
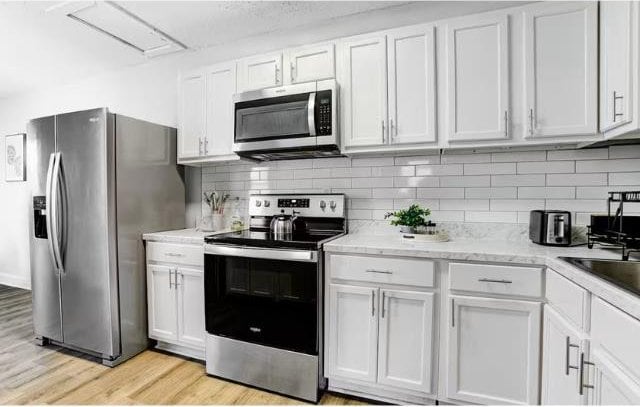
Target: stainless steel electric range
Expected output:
[264,294]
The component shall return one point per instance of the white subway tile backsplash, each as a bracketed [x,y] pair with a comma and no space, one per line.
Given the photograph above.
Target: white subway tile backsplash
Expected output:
[616,165]
[518,156]
[416,182]
[457,187]
[489,168]
[529,180]
[546,167]
[495,192]
[576,179]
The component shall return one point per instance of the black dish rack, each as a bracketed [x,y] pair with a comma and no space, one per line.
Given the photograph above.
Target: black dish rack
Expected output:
[613,236]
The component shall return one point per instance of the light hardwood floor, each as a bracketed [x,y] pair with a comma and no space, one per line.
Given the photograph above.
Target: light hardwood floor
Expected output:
[30,374]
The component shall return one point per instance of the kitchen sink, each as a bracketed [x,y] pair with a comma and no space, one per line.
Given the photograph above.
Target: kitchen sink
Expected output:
[624,274]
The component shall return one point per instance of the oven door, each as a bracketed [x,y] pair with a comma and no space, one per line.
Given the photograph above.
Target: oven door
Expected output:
[263,296]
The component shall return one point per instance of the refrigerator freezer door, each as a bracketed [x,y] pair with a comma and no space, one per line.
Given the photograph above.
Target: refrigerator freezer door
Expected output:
[89,282]
[45,281]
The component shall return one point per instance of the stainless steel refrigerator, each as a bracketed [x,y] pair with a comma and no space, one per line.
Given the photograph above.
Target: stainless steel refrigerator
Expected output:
[99,181]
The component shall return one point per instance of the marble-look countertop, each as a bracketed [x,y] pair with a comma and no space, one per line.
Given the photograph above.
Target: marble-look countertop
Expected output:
[189,236]
[496,251]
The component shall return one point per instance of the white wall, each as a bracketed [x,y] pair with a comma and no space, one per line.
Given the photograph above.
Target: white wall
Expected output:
[149,92]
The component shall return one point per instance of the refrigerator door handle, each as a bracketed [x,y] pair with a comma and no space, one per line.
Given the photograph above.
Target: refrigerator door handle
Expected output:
[49,210]
[54,237]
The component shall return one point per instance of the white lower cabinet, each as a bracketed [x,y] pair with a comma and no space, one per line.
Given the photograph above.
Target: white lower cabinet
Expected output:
[611,385]
[562,348]
[493,350]
[175,298]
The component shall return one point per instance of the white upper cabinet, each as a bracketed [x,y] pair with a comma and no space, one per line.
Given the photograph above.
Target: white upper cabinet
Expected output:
[221,85]
[405,351]
[353,332]
[493,351]
[193,107]
[561,69]
[562,347]
[364,91]
[262,71]
[411,83]
[310,64]
[618,22]
[478,77]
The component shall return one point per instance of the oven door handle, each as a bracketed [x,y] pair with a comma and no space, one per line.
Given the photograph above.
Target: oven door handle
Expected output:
[260,253]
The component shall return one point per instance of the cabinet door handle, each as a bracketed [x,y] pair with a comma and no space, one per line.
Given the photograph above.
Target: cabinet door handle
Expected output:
[379,271]
[200,146]
[373,299]
[170,277]
[506,124]
[206,146]
[384,136]
[453,313]
[615,100]
[383,297]
[531,122]
[581,385]
[175,278]
[393,129]
[277,76]
[568,346]
[292,71]
[490,280]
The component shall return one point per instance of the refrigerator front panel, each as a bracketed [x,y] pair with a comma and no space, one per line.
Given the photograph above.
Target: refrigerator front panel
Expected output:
[45,281]
[89,279]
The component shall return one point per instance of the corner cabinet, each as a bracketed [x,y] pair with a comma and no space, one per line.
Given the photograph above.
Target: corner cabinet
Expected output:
[561,69]
[478,78]
[206,115]
[388,90]
[175,297]
[380,330]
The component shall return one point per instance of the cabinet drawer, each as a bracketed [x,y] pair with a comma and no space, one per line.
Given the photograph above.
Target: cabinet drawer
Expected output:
[616,332]
[568,298]
[490,279]
[389,270]
[192,255]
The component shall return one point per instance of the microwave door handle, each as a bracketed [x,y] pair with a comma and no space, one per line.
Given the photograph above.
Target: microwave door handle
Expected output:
[560,227]
[311,113]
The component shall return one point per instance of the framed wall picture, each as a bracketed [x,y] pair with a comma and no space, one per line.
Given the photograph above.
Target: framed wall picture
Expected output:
[15,160]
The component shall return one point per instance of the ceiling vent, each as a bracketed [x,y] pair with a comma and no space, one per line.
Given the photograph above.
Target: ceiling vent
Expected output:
[113,20]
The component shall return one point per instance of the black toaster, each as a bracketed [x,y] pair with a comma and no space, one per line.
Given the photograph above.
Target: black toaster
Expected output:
[550,228]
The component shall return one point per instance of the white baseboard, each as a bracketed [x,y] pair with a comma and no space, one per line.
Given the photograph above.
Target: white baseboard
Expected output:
[13,281]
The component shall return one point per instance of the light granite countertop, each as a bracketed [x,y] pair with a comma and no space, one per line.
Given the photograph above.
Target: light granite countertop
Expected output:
[496,252]
[189,236]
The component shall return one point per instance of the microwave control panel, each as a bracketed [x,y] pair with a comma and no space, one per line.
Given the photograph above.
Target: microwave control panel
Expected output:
[324,112]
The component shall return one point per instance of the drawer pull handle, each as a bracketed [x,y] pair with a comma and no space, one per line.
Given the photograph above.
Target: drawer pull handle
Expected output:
[379,271]
[174,255]
[490,280]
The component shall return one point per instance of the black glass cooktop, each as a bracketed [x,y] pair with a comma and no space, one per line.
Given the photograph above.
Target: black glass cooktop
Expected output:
[298,240]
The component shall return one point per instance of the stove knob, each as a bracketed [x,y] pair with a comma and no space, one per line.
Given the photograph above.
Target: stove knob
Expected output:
[267,203]
[332,205]
[323,205]
[258,203]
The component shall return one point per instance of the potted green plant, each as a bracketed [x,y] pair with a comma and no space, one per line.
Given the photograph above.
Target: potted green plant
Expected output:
[409,219]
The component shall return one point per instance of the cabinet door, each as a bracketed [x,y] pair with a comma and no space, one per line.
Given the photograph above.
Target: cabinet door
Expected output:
[161,300]
[364,92]
[353,332]
[190,288]
[561,69]
[411,61]
[262,71]
[478,77]
[221,85]
[561,349]
[615,63]
[405,351]
[192,116]
[494,351]
[311,64]
[611,385]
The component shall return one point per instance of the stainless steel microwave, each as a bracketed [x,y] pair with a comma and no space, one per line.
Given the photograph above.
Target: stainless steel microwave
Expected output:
[294,121]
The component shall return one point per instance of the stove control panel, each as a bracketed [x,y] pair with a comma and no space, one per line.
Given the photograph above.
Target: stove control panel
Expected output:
[314,205]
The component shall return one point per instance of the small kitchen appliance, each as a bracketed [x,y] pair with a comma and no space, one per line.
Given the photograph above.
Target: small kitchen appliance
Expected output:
[293,121]
[264,294]
[550,227]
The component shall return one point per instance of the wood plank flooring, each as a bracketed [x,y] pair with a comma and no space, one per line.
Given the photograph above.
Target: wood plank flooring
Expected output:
[30,374]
